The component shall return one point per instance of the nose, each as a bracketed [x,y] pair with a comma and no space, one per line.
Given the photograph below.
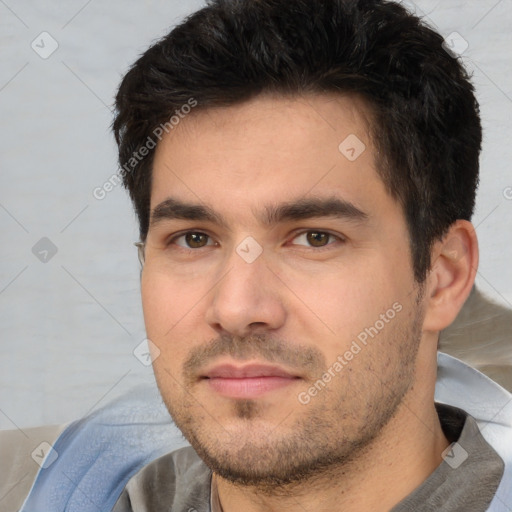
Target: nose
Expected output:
[248,298]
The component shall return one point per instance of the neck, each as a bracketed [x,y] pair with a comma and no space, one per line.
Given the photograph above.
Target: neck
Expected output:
[406,452]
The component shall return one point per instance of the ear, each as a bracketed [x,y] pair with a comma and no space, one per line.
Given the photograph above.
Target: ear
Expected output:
[451,276]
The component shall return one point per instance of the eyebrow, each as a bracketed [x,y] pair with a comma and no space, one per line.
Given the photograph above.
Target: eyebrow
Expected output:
[301,209]
[308,208]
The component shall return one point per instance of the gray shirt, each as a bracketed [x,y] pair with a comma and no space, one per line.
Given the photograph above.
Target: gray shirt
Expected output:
[465,481]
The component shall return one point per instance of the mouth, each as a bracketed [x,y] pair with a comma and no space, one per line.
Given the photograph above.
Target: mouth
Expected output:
[247,381]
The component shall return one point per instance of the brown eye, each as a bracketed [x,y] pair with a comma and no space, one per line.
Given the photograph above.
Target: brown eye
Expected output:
[196,240]
[317,238]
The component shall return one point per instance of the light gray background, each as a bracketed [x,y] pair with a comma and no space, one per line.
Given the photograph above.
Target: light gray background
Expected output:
[70,325]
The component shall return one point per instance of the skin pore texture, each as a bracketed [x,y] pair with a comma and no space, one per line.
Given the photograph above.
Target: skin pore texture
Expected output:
[313,283]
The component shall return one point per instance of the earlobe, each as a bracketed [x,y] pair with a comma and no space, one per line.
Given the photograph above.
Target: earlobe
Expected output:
[452,274]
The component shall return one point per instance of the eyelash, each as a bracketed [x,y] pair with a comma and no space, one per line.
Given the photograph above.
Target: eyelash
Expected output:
[173,239]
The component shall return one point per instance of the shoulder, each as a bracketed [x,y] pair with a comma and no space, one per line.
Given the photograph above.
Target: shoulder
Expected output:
[488,404]
[178,481]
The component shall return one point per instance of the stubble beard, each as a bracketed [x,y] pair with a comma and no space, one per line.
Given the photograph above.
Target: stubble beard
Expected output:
[331,433]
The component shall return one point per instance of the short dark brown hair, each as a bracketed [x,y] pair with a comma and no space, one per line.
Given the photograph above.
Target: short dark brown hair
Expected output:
[426,125]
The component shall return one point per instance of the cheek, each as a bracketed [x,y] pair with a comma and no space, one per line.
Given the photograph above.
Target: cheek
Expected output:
[174,312]
[335,307]
[156,296]
[165,301]
[164,314]
[342,293]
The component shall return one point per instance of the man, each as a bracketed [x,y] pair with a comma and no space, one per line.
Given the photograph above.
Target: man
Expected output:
[304,175]
[306,235]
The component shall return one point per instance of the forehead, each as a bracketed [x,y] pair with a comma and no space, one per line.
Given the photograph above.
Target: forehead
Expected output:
[267,150]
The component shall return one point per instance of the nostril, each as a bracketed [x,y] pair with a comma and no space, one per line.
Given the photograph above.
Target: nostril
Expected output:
[257,324]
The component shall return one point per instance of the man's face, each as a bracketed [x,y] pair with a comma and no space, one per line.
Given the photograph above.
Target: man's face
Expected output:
[287,319]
